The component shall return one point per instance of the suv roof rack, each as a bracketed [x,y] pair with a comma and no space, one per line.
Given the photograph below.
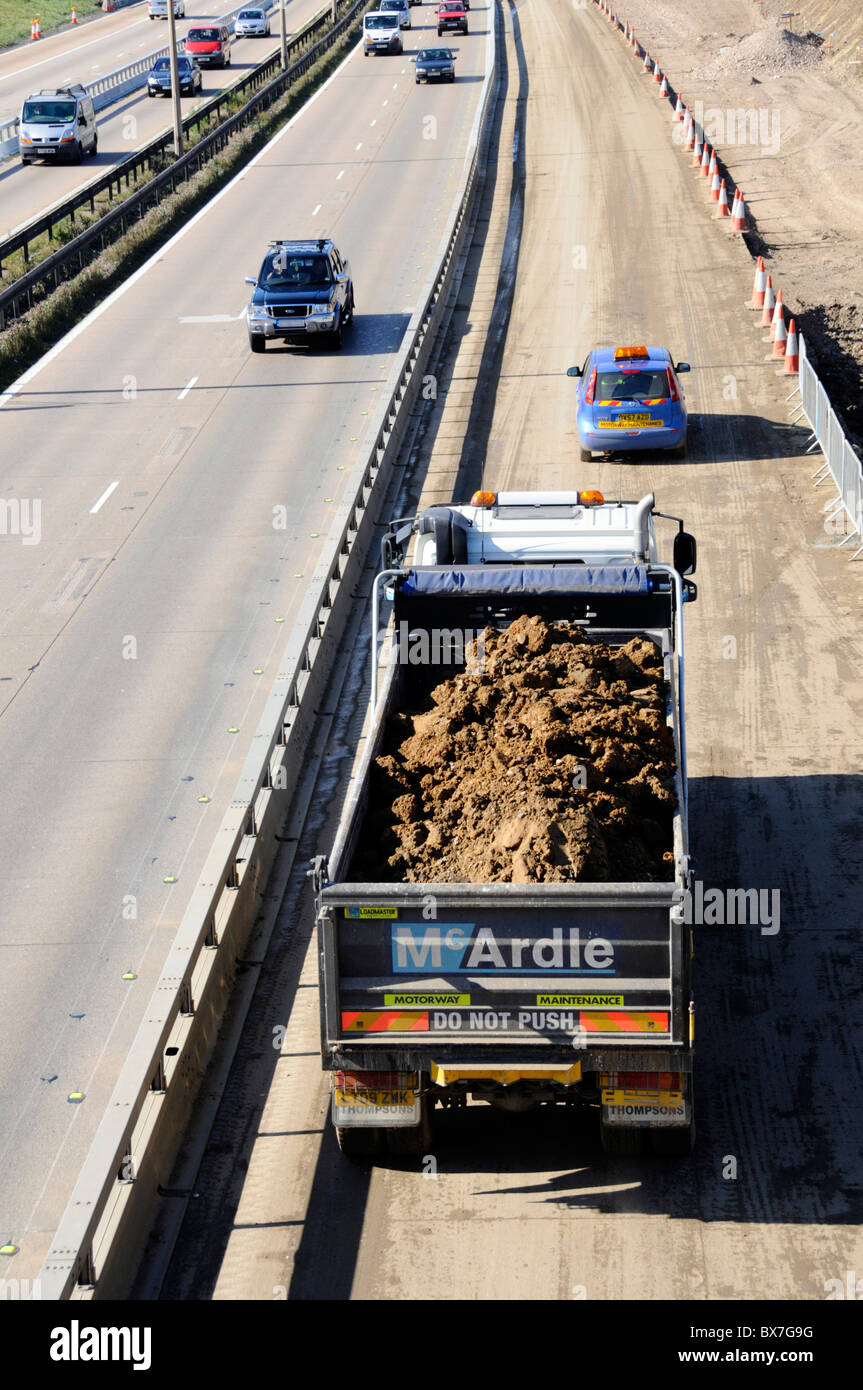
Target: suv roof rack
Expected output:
[309,243]
[74,89]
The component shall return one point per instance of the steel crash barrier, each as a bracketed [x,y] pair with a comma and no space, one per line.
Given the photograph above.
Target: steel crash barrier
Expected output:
[96,1246]
[841,463]
[21,294]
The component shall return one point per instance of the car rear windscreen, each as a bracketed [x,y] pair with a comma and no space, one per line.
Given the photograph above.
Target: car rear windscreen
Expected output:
[632,384]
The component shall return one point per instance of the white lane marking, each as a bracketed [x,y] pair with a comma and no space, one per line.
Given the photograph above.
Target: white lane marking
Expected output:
[395,86]
[186,389]
[207,318]
[105,495]
[316,211]
[360,145]
[387,102]
[95,67]
[53,353]
[79,47]
[339,175]
[374,122]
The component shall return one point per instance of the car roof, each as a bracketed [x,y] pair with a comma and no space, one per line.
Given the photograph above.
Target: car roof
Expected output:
[656,356]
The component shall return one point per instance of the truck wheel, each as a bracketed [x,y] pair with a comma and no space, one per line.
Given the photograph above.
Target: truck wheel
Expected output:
[414,1141]
[356,1142]
[620,1140]
[673,1143]
[257,343]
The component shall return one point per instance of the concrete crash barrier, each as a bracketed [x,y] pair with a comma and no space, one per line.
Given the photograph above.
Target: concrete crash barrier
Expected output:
[97,1245]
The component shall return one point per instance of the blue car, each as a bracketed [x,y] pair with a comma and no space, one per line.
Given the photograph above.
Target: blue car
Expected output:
[630,398]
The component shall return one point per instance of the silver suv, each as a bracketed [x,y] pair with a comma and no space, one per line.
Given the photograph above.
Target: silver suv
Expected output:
[303,294]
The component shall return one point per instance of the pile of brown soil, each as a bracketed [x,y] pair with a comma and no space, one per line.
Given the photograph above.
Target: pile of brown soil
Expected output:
[546,761]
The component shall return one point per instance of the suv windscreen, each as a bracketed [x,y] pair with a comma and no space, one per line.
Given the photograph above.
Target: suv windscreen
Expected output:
[203,36]
[642,384]
[48,112]
[283,271]
[380,21]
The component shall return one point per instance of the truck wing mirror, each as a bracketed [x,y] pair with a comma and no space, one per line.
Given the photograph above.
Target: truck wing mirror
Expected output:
[684,553]
[573,371]
[683,367]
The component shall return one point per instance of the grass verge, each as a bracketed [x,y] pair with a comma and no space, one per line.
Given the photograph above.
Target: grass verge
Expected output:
[31,336]
[16,16]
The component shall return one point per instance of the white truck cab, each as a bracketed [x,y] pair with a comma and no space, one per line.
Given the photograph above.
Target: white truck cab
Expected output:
[58,124]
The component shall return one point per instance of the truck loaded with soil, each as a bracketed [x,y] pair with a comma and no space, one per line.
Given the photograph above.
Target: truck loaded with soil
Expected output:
[548,759]
[501,915]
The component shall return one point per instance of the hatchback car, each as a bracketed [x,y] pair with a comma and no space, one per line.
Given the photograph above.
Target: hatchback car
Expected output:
[451,15]
[435,65]
[303,294]
[190,77]
[210,45]
[382,32]
[252,24]
[399,7]
[630,398]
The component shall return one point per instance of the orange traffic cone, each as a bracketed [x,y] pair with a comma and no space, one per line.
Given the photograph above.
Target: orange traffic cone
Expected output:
[778,317]
[738,213]
[689,129]
[74,16]
[759,285]
[781,334]
[792,352]
[678,110]
[663,91]
[697,152]
[648,61]
[722,210]
[715,184]
[35,31]
[769,304]
[657,73]
[705,160]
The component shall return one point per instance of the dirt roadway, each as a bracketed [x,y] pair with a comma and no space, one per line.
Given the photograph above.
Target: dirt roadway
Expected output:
[527,1207]
[796,155]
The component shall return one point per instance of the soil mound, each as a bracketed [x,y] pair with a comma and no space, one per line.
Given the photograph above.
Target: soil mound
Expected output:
[547,760]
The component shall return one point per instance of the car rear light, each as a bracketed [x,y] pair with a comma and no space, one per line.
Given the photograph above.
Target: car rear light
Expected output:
[672,385]
[591,388]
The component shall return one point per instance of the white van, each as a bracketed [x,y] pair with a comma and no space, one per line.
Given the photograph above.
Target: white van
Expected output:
[58,124]
[382,32]
[158,9]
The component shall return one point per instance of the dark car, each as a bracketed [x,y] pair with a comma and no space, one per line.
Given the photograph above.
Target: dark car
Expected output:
[435,65]
[303,294]
[210,45]
[189,74]
[451,15]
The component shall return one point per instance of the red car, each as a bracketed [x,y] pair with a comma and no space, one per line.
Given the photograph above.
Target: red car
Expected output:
[210,45]
[451,15]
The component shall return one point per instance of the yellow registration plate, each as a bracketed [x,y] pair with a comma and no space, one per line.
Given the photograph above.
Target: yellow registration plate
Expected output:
[357,1100]
[628,422]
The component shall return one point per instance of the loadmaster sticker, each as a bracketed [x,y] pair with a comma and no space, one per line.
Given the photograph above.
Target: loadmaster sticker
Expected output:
[464,948]
[388,912]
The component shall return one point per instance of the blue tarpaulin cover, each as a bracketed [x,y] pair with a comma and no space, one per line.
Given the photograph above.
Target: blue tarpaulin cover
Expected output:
[528,579]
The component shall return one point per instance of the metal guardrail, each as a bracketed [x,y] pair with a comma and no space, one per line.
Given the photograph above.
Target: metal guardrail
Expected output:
[93,1253]
[841,462]
[23,292]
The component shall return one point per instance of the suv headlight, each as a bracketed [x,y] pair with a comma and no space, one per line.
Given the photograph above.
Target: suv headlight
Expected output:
[258,311]
[322,308]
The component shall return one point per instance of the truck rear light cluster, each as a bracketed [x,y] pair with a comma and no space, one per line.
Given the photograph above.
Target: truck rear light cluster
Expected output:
[644,1081]
[374,1080]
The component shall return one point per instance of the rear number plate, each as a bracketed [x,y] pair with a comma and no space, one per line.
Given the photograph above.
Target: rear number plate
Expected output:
[401,1107]
[628,422]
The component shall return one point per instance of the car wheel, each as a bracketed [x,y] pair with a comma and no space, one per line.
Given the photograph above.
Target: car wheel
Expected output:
[95,146]
[452,77]
[26,161]
[336,338]
[77,153]
[439,32]
[257,342]
[586,455]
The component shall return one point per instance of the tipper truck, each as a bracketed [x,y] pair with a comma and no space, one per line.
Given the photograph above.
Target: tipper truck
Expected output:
[546,985]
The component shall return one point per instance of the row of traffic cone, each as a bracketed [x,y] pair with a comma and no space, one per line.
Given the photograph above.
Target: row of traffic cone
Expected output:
[785,342]
[784,339]
[36,31]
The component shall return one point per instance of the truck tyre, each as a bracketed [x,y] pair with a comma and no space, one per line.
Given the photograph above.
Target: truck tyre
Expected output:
[355,1142]
[257,342]
[673,1143]
[415,1140]
[621,1140]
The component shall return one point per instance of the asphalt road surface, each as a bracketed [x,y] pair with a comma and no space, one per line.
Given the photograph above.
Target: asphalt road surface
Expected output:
[617,246]
[157,449]
[78,56]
